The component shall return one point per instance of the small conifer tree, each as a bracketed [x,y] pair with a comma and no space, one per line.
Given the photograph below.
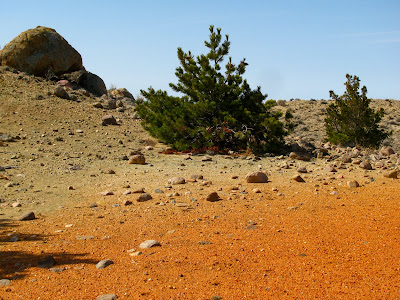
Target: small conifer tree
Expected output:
[350,120]
[218,108]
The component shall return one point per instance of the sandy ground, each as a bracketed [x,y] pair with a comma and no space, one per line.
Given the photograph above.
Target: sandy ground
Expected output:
[278,240]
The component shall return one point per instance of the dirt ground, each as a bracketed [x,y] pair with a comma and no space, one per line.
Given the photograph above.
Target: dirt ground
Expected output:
[317,239]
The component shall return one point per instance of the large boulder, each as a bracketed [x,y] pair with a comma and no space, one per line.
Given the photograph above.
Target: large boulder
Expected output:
[89,81]
[41,51]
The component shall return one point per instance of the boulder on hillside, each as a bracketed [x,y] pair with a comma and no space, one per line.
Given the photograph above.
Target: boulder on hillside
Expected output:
[41,51]
[89,81]
[121,93]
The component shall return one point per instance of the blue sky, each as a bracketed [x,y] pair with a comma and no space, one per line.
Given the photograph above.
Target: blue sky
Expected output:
[295,49]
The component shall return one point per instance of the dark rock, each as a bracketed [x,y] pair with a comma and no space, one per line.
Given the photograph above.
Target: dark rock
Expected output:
[108,120]
[391,174]
[298,178]
[144,197]
[61,92]
[46,262]
[213,197]
[365,165]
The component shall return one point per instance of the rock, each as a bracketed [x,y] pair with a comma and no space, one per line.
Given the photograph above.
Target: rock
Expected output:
[137,159]
[299,156]
[41,51]
[104,263]
[107,193]
[108,120]
[298,178]
[356,161]
[387,151]
[89,81]
[177,180]
[107,297]
[213,197]
[353,184]
[46,262]
[121,93]
[16,204]
[65,83]
[345,159]
[302,170]
[5,282]
[149,244]
[330,168]
[144,197]
[365,165]
[61,93]
[14,239]
[28,216]
[391,174]
[256,177]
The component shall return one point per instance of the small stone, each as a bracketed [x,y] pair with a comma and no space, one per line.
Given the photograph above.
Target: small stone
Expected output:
[177,180]
[104,263]
[107,297]
[107,193]
[206,158]
[127,202]
[5,282]
[16,204]
[136,253]
[61,92]
[85,237]
[127,192]
[28,216]
[387,151]
[257,191]
[137,159]
[108,120]
[298,178]
[353,184]
[299,156]
[149,244]
[365,165]
[158,191]
[144,197]
[256,177]
[14,239]
[302,170]
[56,270]
[391,174]
[148,148]
[213,197]
[46,262]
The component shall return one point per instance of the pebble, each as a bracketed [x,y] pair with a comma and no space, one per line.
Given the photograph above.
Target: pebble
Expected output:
[302,170]
[365,165]
[149,244]
[46,262]
[177,180]
[27,217]
[16,204]
[5,282]
[107,297]
[14,239]
[137,159]
[108,120]
[353,184]
[107,193]
[390,174]
[85,237]
[298,178]
[144,197]
[104,263]
[213,197]
[256,177]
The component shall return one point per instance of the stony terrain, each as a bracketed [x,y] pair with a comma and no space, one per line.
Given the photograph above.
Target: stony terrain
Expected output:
[324,225]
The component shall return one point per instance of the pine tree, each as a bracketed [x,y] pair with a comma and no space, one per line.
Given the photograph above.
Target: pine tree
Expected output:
[218,109]
[350,120]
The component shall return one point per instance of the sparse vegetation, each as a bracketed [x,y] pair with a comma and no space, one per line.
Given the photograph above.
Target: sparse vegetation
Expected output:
[350,120]
[217,110]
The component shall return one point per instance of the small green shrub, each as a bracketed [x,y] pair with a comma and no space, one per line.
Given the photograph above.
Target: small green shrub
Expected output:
[218,109]
[350,121]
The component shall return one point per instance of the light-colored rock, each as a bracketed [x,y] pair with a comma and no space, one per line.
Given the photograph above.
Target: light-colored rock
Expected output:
[149,244]
[104,263]
[177,180]
[365,165]
[256,177]
[137,159]
[353,184]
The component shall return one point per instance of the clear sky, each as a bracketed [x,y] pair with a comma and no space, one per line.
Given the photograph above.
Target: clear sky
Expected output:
[295,49]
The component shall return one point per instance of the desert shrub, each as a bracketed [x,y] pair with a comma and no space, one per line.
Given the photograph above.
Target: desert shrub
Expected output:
[217,110]
[350,120]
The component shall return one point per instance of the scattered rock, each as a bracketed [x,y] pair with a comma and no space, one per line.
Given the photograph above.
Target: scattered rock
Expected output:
[104,263]
[149,244]
[353,184]
[107,297]
[387,151]
[137,159]
[28,216]
[213,197]
[107,193]
[108,120]
[5,282]
[16,204]
[330,168]
[365,165]
[299,156]
[302,170]
[144,197]
[177,180]
[60,92]
[46,262]
[391,174]
[298,178]
[256,177]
